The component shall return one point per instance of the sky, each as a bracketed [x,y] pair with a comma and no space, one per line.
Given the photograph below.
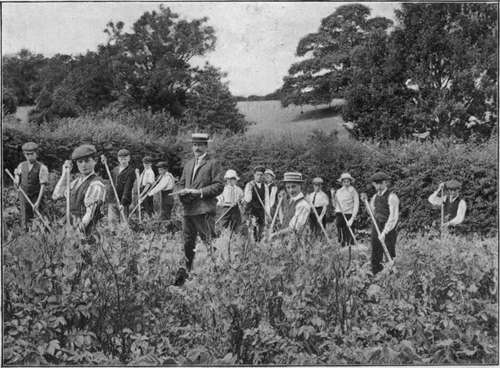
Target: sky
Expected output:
[255,46]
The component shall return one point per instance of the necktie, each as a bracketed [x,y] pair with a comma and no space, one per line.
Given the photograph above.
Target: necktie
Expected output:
[314,199]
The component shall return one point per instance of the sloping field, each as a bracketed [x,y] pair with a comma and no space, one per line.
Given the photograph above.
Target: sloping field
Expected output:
[269,116]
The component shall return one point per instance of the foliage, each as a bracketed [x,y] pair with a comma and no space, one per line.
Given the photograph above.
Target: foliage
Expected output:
[326,72]
[417,168]
[289,302]
[9,102]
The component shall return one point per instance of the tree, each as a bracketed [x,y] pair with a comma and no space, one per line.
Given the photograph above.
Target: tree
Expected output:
[326,71]
[9,102]
[152,62]
[211,106]
[20,72]
[450,50]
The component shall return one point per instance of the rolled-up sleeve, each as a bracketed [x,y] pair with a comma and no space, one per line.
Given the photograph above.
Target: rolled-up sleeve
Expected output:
[96,192]
[459,218]
[435,199]
[393,213]
[300,217]
[43,175]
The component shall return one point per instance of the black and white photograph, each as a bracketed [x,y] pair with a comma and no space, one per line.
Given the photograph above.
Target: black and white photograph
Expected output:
[199,183]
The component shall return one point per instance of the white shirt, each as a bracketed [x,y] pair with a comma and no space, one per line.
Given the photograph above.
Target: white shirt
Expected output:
[392,220]
[147,177]
[230,196]
[270,196]
[436,200]
[347,201]
[302,210]
[197,161]
[167,182]
[318,199]
[249,190]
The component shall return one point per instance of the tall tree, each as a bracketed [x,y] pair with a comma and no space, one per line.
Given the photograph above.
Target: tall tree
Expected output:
[326,71]
[152,62]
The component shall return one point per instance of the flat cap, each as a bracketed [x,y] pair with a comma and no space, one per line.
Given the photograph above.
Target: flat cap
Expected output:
[147,160]
[162,164]
[453,184]
[85,150]
[292,177]
[123,152]
[318,180]
[259,169]
[379,176]
[30,147]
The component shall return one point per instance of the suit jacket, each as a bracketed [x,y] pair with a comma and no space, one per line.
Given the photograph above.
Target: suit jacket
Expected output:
[124,183]
[208,178]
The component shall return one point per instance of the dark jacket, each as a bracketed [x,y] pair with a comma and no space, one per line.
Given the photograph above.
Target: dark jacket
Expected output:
[124,183]
[208,177]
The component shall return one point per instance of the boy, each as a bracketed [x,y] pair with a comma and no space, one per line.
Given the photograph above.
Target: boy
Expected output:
[165,186]
[319,200]
[123,177]
[230,198]
[454,207]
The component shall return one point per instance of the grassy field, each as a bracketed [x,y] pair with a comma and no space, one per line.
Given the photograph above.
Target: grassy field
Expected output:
[270,117]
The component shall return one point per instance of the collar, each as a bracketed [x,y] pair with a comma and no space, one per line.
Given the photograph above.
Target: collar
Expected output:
[297,197]
[385,190]
[202,157]
[453,199]
[83,178]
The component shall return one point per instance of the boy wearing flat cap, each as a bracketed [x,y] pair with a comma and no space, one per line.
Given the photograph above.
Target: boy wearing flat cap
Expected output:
[165,186]
[346,201]
[123,177]
[201,182]
[385,207]
[230,199]
[454,207]
[319,200]
[254,196]
[32,176]
[87,191]
[294,210]
[146,181]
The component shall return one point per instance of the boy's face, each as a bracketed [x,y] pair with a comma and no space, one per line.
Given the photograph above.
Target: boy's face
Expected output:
[232,181]
[316,187]
[30,156]
[161,170]
[147,166]
[453,192]
[293,189]
[124,160]
[258,176]
[380,186]
[86,165]
[269,178]
[346,182]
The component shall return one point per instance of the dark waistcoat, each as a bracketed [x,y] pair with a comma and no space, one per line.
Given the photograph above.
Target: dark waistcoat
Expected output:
[77,196]
[451,208]
[382,207]
[254,204]
[30,181]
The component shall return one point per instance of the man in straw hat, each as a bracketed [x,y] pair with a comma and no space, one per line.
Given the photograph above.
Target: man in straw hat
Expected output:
[201,182]
[319,200]
[165,186]
[87,191]
[385,207]
[230,198]
[145,182]
[123,177]
[294,210]
[346,201]
[454,207]
[33,177]
[254,196]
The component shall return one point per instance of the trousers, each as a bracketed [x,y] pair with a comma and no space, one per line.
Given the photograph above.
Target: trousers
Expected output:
[314,224]
[202,225]
[166,205]
[232,219]
[378,250]
[343,234]
[26,210]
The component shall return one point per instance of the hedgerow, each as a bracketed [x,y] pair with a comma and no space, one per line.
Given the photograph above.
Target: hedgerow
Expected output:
[281,303]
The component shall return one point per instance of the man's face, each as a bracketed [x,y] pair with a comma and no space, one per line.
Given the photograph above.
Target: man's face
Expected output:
[199,149]
[346,182]
[269,178]
[124,160]
[86,165]
[293,189]
[258,176]
[380,186]
[30,156]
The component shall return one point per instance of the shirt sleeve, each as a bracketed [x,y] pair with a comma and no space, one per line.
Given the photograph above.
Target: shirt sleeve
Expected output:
[272,196]
[149,177]
[300,217]
[43,175]
[239,194]
[248,193]
[393,213]
[165,183]
[60,189]
[355,209]
[19,169]
[435,199]
[96,192]
[322,200]
[459,218]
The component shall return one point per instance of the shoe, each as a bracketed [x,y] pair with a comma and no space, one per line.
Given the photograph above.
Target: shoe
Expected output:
[181,277]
